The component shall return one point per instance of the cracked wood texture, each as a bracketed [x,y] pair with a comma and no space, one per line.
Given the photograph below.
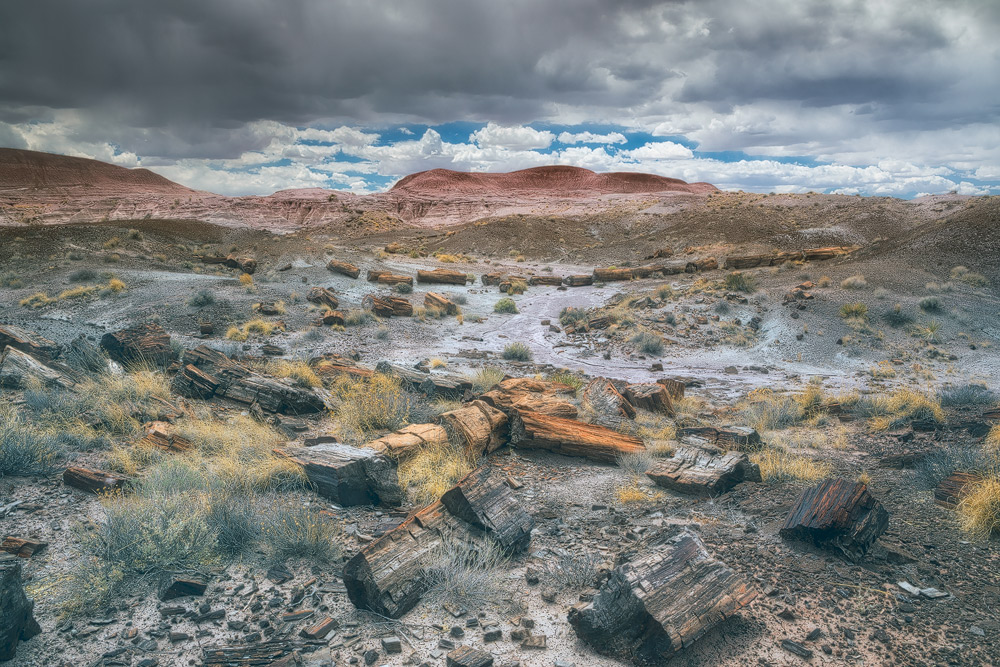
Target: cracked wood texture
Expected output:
[147,342]
[409,440]
[28,342]
[697,472]
[477,426]
[533,430]
[94,481]
[323,297]
[484,500]
[545,397]
[650,396]
[265,653]
[442,277]
[440,302]
[343,268]
[602,395]
[17,621]
[729,437]
[664,600]
[837,513]
[952,489]
[19,369]
[348,475]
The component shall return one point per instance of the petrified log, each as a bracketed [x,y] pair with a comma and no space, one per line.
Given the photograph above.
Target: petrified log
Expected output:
[702,264]
[332,318]
[394,279]
[952,489]
[193,382]
[600,322]
[331,365]
[664,600]
[343,268]
[391,574]
[440,302]
[348,475]
[22,547]
[476,426]
[747,261]
[254,654]
[650,396]
[837,513]
[483,500]
[178,586]
[409,439]
[579,280]
[674,387]
[603,397]
[697,472]
[466,656]
[163,435]
[19,369]
[532,430]
[94,481]
[431,384]
[727,437]
[610,274]
[387,306]
[646,271]
[17,622]
[661,253]
[488,279]
[442,277]
[268,308]
[245,264]
[829,252]
[554,281]
[323,297]
[141,343]
[548,398]
[29,342]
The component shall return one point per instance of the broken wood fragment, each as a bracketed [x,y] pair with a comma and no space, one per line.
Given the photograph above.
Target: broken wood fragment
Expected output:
[409,439]
[147,342]
[579,280]
[698,472]
[440,302]
[477,426]
[727,437]
[388,306]
[549,398]
[612,274]
[532,430]
[323,297]
[348,475]
[29,342]
[94,481]
[837,513]
[650,396]
[343,268]
[19,370]
[952,489]
[483,500]
[22,547]
[603,397]
[466,656]
[443,277]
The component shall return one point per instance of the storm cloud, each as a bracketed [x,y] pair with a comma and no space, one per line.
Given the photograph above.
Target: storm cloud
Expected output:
[191,86]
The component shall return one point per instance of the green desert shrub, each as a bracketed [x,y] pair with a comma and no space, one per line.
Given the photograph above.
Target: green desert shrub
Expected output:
[648,342]
[517,352]
[741,282]
[505,305]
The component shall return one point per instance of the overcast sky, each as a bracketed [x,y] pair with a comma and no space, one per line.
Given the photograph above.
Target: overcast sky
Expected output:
[886,97]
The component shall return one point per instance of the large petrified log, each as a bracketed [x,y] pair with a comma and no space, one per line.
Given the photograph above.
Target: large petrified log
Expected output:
[674,387]
[388,306]
[674,267]
[208,373]
[952,489]
[19,369]
[603,397]
[727,437]
[664,600]
[701,264]
[409,440]
[579,280]
[532,430]
[256,654]
[610,274]
[348,475]
[440,302]
[17,622]
[331,365]
[343,268]
[650,396]
[554,281]
[837,513]
[323,297]
[431,384]
[478,427]
[244,264]
[698,472]
[391,574]
[147,342]
[483,500]
[94,481]
[829,252]
[490,279]
[388,278]
[547,398]
[29,342]
[332,318]
[442,277]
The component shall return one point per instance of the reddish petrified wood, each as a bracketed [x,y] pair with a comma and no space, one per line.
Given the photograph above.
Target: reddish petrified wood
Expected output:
[697,472]
[147,342]
[650,396]
[22,547]
[343,268]
[28,342]
[323,297]
[483,499]
[442,277]
[532,430]
[952,489]
[837,513]
[94,481]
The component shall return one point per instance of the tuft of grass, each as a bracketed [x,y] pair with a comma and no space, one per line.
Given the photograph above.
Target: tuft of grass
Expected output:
[902,406]
[571,571]
[648,342]
[968,277]
[427,474]
[992,440]
[299,371]
[505,305]
[438,363]
[572,316]
[25,449]
[486,378]
[856,310]
[83,276]
[116,285]
[79,292]
[967,394]
[246,280]
[738,281]
[518,286]
[10,280]
[778,465]
[373,404]
[517,352]
[766,410]
[931,304]
[468,573]
[824,281]
[979,510]
[111,243]
[854,282]
[358,318]
[203,298]
[630,493]
[256,326]
[37,300]
[570,378]
[635,463]
[883,370]
[294,531]
[403,288]
[897,317]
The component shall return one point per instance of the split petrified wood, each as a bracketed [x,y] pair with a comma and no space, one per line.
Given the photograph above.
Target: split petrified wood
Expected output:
[409,440]
[348,475]
[390,575]
[441,303]
[608,275]
[332,318]
[22,547]
[388,306]
[483,500]
[94,481]
[477,426]
[255,654]
[442,277]
[343,268]
[697,472]
[431,384]
[140,343]
[674,387]
[488,279]
[674,267]
[163,435]
[662,601]
[651,396]
[19,369]
[952,489]
[602,395]
[330,365]
[579,280]
[547,398]
[17,621]
[393,279]
[466,656]
[323,297]
[28,342]
[177,586]
[837,513]
[703,264]
[554,281]
[727,437]
[532,430]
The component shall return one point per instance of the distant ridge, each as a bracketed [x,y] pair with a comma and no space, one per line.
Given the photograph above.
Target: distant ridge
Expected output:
[553,180]
[44,171]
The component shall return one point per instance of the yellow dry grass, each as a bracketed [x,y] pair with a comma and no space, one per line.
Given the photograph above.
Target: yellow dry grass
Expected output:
[36,300]
[777,465]
[299,371]
[633,493]
[426,475]
[979,511]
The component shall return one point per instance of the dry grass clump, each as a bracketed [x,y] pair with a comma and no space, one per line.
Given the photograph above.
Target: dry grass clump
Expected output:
[854,282]
[778,465]
[294,531]
[571,571]
[856,310]
[883,370]
[438,363]
[256,326]
[369,405]
[571,316]
[968,277]
[486,378]
[517,287]
[505,305]
[992,440]
[635,463]
[299,371]
[427,474]
[648,342]
[517,352]
[979,511]
[902,406]
[766,410]
[36,300]
[569,378]
[358,318]
[24,449]
[247,281]
[468,573]
[78,292]
[632,492]
[738,281]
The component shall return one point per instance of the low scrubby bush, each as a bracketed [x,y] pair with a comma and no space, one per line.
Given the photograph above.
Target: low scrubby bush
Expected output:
[505,305]
[648,342]
[738,281]
[517,352]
